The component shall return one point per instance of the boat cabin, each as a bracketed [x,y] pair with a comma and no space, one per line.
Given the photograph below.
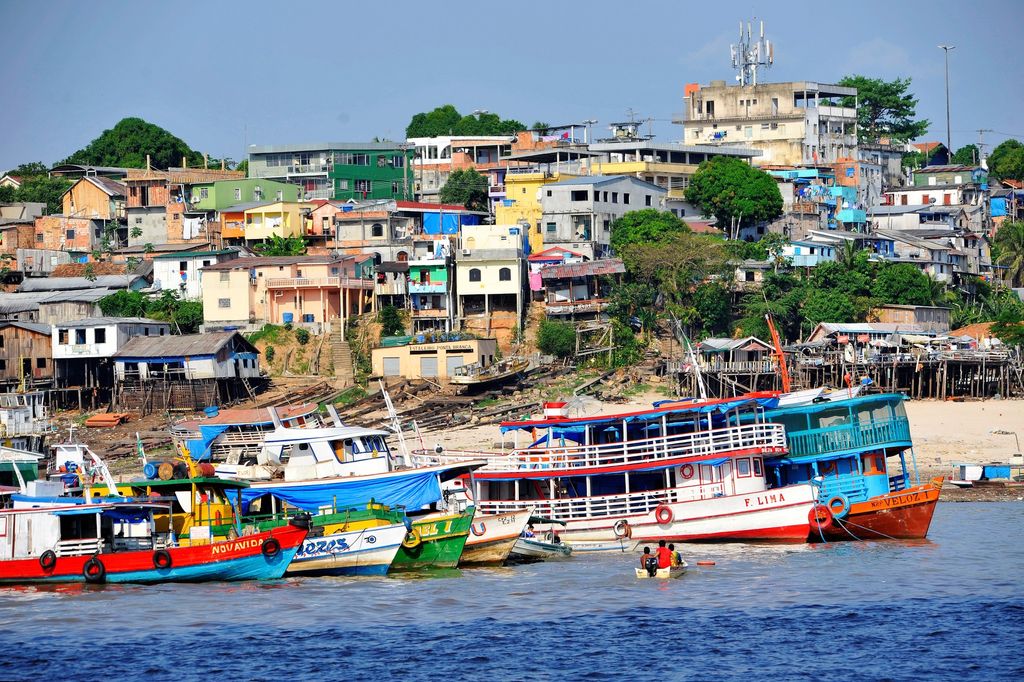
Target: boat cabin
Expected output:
[307,454]
[845,444]
[200,508]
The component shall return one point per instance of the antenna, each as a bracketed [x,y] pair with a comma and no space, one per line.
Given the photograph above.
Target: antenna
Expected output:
[981,146]
[748,55]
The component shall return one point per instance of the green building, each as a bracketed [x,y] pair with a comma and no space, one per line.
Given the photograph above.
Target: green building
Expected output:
[216,196]
[372,174]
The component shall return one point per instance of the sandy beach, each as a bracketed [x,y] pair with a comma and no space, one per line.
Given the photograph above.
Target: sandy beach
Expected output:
[943,432]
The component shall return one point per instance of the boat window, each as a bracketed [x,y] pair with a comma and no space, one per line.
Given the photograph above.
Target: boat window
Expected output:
[757,466]
[873,464]
[743,467]
[899,410]
[342,450]
[708,474]
[831,417]
[642,482]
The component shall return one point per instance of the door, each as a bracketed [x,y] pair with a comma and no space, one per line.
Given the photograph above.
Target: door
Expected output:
[392,367]
[428,366]
[451,363]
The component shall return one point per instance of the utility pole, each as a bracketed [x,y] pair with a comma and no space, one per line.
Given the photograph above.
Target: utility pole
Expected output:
[981,143]
[949,141]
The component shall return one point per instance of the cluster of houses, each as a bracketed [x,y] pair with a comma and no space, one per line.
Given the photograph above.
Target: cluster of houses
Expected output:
[377,235]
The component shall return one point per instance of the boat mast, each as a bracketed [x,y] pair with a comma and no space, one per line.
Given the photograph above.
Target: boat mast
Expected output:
[783,370]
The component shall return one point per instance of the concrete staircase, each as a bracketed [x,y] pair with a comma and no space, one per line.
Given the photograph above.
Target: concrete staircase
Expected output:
[341,355]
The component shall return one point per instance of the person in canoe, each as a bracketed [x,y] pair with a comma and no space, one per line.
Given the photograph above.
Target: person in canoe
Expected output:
[677,558]
[664,555]
[649,562]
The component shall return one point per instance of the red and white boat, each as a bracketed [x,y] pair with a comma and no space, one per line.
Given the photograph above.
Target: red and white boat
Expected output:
[61,540]
[683,471]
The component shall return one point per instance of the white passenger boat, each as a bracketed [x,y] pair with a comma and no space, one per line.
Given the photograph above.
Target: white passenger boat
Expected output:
[684,471]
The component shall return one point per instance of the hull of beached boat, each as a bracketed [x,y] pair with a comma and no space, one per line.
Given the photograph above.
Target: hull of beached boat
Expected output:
[437,542]
[251,557]
[492,536]
[902,515]
[530,550]
[367,551]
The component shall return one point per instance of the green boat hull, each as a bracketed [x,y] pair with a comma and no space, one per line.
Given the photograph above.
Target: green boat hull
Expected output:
[442,539]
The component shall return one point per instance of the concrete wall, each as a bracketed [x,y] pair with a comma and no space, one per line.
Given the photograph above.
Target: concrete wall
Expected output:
[152,221]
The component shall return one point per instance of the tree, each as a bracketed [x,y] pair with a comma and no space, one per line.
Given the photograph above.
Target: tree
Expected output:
[773,244]
[129,141]
[884,109]
[556,338]
[825,305]
[966,156]
[902,284]
[31,168]
[1010,242]
[446,120]
[539,126]
[45,190]
[281,246]
[466,187]
[391,321]
[713,306]
[243,166]
[734,192]
[1007,160]
[647,225]
[123,303]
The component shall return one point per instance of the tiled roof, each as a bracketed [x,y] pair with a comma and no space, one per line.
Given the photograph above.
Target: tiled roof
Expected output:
[609,266]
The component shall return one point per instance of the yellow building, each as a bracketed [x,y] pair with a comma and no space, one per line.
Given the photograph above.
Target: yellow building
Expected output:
[95,198]
[281,218]
[432,360]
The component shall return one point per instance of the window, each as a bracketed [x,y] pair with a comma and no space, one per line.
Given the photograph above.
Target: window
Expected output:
[505,275]
[238,194]
[615,197]
[926,199]
[743,467]
[40,363]
[757,466]
[398,161]
[223,302]
[931,180]
[377,230]
[1,341]
[551,227]
[99,335]
[577,195]
[342,184]
[382,161]
[395,187]
[257,193]
[70,235]
[605,197]
[364,186]
[182,265]
[206,263]
[903,200]
[625,197]
[607,225]
[947,199]
[748,276]
[138,221]
[225,276]
[3,365]
[79,337]
[474,275]
[62,337]
[549,192]
[647,200]
[280,195]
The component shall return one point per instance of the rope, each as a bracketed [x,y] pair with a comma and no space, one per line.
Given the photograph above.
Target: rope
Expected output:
[870,530]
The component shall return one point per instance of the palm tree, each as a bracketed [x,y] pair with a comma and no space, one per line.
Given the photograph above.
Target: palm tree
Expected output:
[847,253]
[1010,240]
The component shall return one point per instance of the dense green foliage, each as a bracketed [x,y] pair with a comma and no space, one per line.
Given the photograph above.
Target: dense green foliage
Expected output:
[734,192]
[1009,243]
[185,317]
[38,188]
[648,225]
[966,156]
[1007,160]
[884,109]
[391,321]
[129,141]
[446,120]
[281,246]
[302,336]
[902,284]
[465,187]
[556,338]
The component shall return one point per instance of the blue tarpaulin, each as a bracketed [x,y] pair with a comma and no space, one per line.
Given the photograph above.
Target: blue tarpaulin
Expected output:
[401,489]
[200,449]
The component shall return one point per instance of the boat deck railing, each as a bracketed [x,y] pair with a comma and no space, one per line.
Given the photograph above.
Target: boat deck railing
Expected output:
[759,438]
[78,547]
[584,507]
[853,487]
[849,437]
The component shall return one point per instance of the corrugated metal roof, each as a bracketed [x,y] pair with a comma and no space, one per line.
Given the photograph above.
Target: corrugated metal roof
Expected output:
[31,326]
[18,302]
[608,266]
[103,321]
[69,283]
[725,343]
[184,345]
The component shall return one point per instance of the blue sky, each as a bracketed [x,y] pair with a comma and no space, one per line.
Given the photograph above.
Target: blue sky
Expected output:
[218,74]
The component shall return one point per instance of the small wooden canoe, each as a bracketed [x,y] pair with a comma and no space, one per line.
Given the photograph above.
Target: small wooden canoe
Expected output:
[664,573]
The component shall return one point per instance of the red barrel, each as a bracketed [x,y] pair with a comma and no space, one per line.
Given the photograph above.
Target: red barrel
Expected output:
[205,470]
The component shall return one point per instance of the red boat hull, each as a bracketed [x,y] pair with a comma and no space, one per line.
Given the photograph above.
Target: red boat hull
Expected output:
[903,515]
[254,557]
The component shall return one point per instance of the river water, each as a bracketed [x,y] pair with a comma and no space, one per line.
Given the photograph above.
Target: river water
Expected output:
[940,609]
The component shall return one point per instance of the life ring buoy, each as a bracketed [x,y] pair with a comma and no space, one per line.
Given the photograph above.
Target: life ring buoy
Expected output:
[838,505]
[94,572]
[48,560]
[820,517]
[686,471]
[483,529]
[622,529]
[162,558]
[412,539]
[663,514]
[271,547]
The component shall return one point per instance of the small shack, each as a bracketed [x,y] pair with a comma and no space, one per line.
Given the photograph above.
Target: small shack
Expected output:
[438,360]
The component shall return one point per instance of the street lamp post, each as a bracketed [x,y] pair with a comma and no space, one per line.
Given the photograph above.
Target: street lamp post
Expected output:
[949,141]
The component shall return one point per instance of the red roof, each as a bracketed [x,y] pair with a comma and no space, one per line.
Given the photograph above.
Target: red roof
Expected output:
[553,253]
[423,206]
[926,146]
[703,227]
[608,266]
[1013,184]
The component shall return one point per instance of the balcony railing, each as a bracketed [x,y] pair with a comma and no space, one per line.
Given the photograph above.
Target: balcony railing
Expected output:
[570,307]
[849,437]
[319,282]
[764,438]
[430,312]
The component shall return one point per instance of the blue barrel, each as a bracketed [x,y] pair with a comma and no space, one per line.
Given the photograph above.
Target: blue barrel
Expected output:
[287,317]
[149,469]
[211,411]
